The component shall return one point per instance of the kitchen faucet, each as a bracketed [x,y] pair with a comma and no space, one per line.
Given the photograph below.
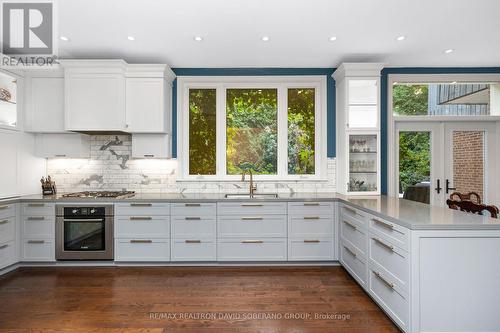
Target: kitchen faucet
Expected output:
[253,187]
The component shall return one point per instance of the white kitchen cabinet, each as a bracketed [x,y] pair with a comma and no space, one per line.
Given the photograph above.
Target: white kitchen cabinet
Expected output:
[45,102]
[9,165]
[151,146]
[147,103]
[71,145]
[38,231]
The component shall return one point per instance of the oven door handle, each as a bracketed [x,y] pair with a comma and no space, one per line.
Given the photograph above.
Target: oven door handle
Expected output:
[83,220]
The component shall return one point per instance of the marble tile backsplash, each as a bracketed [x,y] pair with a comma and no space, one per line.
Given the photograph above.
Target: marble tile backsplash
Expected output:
[110,167]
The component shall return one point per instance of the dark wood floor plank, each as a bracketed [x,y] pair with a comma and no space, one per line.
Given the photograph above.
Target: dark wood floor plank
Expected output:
[121,300]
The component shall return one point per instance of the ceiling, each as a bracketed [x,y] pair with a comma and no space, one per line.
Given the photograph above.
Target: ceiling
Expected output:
[299,32]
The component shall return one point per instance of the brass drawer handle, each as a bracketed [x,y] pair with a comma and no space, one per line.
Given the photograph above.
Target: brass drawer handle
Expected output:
[384,244]
[311,240]
[311,217]
[252,218]
[351,251]
[192,241]
[36,205]
[252,205]
[141,218]
[141,205]
[351,225]
[384,280]
[4,246]
[4,221]
[143,241]
[36,218]
[311,203]
[251,241]
[36,242]
[192,218]
[3,207]
[192,205]
[385,224]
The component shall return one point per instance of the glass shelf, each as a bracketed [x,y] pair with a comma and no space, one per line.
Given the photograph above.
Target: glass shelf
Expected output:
[8,102]
[363,163]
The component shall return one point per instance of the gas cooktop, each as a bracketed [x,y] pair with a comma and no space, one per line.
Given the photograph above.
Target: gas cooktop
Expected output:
[100,194]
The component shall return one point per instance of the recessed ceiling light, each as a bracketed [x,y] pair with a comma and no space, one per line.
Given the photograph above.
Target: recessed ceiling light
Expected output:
[131,38]
[448,51]
[400,38]
[332,39]
[265,38]
[64,38]
[198,38]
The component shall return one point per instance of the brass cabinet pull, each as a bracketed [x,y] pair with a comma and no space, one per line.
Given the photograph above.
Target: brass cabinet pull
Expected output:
[4,246]
[192,241]
[192,205]
[251,241]
[192,218]
[36,205]
[4,221]
[3,207]
[350,210]
[385,224]
[351,251]
[384,280]
[311,217]
[141,218]
[311,203]
[384,244]
[252,218]
[144,241]
[36,218]
[311,240]
[252,205]
[36,242]
[141,205]
[351,225]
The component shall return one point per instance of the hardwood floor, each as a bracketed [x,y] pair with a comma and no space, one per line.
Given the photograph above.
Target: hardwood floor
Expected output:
[159,299]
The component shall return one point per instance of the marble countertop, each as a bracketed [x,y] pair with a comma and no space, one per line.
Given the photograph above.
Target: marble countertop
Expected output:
[409,214]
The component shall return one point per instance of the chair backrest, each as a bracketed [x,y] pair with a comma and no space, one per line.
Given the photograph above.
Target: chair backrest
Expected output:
[466,197]
[471,207]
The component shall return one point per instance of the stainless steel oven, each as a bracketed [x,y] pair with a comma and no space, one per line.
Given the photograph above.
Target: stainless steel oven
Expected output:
[84,232]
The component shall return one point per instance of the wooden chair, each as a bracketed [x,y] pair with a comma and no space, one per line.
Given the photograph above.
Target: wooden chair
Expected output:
[466,197]
[472,207]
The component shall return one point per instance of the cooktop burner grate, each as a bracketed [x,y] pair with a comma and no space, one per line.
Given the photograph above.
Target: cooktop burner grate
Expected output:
[100,194]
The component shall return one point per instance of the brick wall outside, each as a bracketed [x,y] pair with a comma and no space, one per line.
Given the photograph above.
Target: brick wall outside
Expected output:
[468,161]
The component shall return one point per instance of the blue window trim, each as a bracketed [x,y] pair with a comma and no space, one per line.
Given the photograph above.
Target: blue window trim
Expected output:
[330,93]
[384,102]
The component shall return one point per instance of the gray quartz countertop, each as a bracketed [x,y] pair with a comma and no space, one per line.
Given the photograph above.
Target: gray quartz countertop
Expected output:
[409,214]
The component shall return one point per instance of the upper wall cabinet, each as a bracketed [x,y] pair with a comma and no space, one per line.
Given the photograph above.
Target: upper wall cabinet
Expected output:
[44,100]
[8,100]
[94,95]
[148,102]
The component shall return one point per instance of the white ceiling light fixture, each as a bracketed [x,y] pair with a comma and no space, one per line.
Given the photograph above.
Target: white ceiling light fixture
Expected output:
[198,38]
[64,38]
[131,38]
[400,38]
[332,39]
[448,51]
[265,38]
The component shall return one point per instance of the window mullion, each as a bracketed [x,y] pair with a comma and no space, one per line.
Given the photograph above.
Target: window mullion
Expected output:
[282,132]
[221,131]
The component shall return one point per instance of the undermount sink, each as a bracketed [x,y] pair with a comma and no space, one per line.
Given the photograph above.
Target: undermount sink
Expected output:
[254,196]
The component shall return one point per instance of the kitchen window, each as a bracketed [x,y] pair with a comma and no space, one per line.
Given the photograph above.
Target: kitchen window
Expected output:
[273,126]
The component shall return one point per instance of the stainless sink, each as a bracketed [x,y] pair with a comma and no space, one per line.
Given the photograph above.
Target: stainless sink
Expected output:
[255,196]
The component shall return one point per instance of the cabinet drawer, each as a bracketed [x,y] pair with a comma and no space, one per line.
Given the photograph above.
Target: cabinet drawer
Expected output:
[310,249]
[127,249]
[7,229]
[142,209]
[353,263]
[392,259]
[190,226]
[310,208]
[242,249]
[7,210]
[395,234]
[38,227]
[7,254]
[311,226]
[142,227]
[245,208]
[38,209]
[353,212]
[252,226]
[194,250]
[354,234]
[390,297]
[38,250]
[194,209]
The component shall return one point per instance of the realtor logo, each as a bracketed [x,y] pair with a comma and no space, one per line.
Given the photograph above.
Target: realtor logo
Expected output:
[27,28]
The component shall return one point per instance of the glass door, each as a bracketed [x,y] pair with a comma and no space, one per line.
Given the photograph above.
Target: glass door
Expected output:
[363,163]
[84,235]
